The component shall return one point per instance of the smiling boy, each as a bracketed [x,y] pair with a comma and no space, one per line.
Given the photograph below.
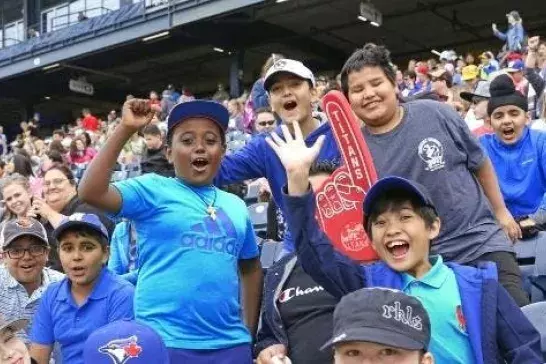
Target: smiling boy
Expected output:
[23,276]
[516,151]
[88,298]
[428,142]
[402,222]
[196,244]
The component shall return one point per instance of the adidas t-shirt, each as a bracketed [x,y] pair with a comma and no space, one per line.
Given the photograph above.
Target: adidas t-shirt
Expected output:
[188,284]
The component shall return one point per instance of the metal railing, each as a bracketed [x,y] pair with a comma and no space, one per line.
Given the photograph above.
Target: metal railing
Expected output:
[80,16]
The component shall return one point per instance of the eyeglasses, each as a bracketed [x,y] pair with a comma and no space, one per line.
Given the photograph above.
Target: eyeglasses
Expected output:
[266,122]
[18,253]
[55,182]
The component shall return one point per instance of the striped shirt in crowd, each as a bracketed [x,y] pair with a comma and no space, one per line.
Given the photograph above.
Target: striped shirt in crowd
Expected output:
[15,302]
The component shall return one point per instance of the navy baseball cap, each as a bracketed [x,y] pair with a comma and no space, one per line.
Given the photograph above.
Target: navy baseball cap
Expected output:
[383,316]
[91,221]
[125,341]
[198,109]
[393,183]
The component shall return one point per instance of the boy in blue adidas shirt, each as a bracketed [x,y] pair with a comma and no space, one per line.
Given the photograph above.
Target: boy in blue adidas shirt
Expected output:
[518,153]
[474,320]
[195,242]
[89,297]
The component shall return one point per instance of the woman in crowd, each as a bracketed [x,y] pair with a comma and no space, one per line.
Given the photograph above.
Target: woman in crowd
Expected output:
[79,152]
[60,200]
[16,196]
[21,164]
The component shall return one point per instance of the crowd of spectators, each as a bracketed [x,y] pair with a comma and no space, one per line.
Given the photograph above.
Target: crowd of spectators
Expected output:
[127,238]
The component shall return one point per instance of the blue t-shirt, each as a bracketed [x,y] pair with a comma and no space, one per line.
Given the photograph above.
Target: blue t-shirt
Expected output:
[60,320]
[188,284]
[520,168]
[438,291]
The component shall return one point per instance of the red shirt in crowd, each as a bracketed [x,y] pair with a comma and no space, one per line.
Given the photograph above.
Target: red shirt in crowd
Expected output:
[90,123]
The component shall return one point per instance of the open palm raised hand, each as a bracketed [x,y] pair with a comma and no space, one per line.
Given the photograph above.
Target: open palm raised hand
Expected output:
[294,154]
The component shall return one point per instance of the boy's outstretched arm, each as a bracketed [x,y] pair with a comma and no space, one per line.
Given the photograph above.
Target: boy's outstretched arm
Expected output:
[95,186]
[338,274]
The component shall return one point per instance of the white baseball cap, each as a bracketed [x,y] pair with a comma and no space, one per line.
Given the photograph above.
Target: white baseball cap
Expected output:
[289,66]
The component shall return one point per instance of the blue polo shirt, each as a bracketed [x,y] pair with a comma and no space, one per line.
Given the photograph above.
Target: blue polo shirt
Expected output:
[60,320]
[438,291]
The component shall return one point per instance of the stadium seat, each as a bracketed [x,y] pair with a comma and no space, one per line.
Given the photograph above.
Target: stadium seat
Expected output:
[536,313]
[270,251]
[252,194]
[258,215]
[531,256]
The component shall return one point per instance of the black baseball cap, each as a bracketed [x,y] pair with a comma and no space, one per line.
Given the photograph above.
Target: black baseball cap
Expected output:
[394,183]
[383,316]
[198,109]
[14,229]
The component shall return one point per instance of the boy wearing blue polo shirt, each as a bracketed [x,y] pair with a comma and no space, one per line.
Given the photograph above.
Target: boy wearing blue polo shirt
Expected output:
[517,152]
[474,320]
[195,242]
[88,298]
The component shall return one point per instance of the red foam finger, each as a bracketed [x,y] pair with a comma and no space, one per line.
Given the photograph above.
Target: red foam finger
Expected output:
[355,152]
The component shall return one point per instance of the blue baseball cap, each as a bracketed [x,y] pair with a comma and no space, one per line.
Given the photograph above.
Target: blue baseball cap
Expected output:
[198,109]
[384,185]
[125,341]
[91,221]
[515,66]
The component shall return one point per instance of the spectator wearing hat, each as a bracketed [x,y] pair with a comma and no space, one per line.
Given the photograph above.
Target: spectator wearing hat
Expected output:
[487,66]
[23,275]
[380,325]
[186,227]
[515,151]
[477,116]
[423,79]
[442,82]
[470,75]
[291,88]
[89,297]
[12,348]
[513,37]
[125,341]
[515,70]
[473,318]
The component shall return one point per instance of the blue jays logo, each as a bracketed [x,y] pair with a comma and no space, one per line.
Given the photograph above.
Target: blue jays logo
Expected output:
[122,350]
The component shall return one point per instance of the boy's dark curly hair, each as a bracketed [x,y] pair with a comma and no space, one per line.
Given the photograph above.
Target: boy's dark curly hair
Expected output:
[371,55]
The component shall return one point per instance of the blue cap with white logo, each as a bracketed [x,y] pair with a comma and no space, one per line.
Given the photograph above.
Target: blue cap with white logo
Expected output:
[127,342]
[91,221]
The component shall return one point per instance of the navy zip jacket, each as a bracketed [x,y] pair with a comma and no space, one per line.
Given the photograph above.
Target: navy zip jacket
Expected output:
[271,330]
[257,160]
[497,329]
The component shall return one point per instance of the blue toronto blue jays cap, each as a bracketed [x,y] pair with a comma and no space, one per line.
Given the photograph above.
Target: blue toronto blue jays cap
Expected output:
[125,342]
[198,109]
[387,184]
[91,221]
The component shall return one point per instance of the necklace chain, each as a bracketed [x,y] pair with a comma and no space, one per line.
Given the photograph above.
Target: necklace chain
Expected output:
[211,210]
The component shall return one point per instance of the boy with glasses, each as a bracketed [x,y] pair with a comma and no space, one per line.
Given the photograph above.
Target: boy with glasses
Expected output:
[23,276]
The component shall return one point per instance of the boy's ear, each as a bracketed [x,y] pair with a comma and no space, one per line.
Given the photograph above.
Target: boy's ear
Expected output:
[434,229]
[168,154]
[427,359]
[106,254]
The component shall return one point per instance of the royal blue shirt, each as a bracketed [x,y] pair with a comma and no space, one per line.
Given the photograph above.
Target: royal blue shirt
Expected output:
[188,284]
[257,160]
[60,320]
[520,168]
